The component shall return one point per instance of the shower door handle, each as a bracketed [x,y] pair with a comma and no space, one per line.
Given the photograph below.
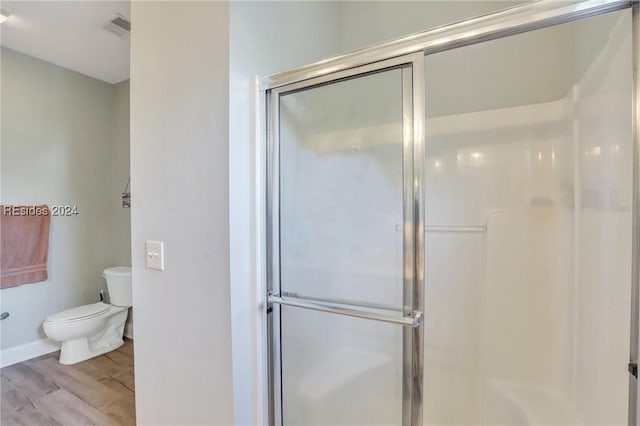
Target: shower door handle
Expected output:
[413,321]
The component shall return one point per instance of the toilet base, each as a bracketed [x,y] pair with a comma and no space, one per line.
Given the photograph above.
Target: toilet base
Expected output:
[76,351]
[110,338]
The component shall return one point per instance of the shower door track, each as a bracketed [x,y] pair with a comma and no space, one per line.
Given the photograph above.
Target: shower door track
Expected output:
[516,20]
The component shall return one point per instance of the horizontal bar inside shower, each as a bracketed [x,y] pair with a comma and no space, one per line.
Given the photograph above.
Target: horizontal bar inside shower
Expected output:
[413,321]
[451,229]
[515,20]
[338,301]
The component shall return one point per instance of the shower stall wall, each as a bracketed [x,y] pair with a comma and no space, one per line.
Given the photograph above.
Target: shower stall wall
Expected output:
[527,299]
[452,225]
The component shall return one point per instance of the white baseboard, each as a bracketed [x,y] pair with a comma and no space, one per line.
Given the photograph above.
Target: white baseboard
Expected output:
[27,351]
[128,331]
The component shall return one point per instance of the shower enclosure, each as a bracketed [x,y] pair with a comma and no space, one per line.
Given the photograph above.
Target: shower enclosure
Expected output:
[451,225]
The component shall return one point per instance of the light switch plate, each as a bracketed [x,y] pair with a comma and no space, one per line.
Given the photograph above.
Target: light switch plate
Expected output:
[154,252]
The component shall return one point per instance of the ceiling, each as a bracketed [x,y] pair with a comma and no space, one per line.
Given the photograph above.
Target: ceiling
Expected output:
[70,34]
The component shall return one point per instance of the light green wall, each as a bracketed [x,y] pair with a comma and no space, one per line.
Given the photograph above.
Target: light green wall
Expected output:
[63,141]
[121,244]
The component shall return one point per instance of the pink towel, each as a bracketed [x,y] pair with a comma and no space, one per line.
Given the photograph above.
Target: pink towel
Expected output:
[24,244]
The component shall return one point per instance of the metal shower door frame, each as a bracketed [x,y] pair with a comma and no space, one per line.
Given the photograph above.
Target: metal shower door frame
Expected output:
[413,155]
[516,20]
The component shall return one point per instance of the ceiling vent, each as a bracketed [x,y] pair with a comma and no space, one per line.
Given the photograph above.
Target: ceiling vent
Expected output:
[119,25]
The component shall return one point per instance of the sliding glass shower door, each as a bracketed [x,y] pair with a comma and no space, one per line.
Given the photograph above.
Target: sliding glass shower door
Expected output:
[346,286]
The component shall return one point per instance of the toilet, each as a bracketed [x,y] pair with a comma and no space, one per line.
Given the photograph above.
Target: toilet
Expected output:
[91,330]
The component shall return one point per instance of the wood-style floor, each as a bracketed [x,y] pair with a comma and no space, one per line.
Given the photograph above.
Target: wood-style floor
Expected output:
[41,391]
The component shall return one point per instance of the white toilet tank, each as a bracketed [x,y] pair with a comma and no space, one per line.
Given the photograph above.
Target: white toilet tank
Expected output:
[119,285]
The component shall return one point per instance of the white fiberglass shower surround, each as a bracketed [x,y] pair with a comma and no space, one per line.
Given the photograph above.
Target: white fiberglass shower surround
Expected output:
[451,225]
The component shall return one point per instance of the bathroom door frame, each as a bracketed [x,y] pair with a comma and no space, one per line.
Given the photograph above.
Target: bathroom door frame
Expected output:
[516,20]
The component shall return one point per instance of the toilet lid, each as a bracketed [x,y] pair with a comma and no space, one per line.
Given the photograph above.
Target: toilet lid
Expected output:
[80,312]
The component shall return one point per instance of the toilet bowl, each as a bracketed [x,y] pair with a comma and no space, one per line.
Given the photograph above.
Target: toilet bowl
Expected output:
[91,330]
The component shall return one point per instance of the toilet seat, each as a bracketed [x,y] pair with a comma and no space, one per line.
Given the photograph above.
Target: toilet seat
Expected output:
[79,313]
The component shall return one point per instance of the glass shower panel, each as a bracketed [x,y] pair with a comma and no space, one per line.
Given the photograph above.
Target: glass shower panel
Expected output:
[340,371]
[528,210]
[341,241]
[341,191]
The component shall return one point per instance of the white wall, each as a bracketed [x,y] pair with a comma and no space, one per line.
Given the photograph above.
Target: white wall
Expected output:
[604,148]
[58,147]
[180,187]
[362,23]
[265,37]
[498,300]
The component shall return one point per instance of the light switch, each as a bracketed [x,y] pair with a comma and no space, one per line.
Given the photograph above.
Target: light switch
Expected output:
[154,251]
